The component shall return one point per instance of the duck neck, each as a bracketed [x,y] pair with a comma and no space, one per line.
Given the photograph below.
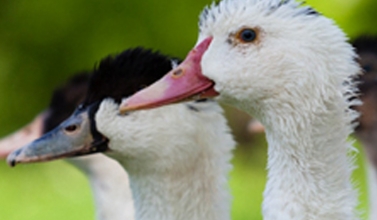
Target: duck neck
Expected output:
[110,186]
[309,168]
[198,191]
[177,158]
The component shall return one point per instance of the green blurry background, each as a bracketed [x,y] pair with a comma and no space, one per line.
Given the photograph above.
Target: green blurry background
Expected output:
[43,42]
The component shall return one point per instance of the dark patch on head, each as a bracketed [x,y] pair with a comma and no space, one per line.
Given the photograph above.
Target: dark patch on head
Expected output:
[65,99]
[116,77]
[120,76]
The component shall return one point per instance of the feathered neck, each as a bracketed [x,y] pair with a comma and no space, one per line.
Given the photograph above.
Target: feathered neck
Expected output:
[110,186]
[178,159]
[193,194]
[300,87]
[309,168]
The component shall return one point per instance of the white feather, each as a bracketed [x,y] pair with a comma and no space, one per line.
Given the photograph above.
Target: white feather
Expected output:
[296,80]
[177,159]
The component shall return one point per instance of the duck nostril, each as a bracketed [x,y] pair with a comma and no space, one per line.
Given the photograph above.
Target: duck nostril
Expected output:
[71,128]
[178,72]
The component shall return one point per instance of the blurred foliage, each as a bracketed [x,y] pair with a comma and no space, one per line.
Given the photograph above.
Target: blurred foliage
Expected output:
[43,42]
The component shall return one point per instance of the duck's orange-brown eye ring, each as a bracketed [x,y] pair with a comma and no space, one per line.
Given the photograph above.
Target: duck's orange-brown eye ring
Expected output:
[247,35]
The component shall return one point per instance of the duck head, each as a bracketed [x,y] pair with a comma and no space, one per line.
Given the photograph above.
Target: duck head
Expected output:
[63,102]
[253,51]
[116,77]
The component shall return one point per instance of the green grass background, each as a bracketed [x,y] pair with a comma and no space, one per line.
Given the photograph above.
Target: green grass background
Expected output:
[44,42]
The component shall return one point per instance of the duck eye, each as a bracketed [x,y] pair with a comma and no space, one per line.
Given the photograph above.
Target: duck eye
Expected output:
[247,35]
[71,128]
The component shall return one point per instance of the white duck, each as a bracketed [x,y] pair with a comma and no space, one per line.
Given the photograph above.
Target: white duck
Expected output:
[290,68]
[366,131]
[108,180]
[177,157]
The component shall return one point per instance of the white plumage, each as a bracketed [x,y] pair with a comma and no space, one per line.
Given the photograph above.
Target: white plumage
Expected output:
[290,68]
[177,159]
[295,79]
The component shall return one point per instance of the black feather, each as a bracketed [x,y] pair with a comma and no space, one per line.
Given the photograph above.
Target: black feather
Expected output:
[123,75]
[65,99]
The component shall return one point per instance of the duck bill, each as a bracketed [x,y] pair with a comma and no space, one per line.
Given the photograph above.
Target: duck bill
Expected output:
[185,82]
[70,138]
[25,135]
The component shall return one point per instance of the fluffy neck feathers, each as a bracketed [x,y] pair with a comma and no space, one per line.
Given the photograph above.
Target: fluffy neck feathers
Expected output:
[309,171]
[177,159]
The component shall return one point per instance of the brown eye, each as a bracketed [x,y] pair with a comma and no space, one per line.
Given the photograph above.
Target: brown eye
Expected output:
[71,128]
[247,35]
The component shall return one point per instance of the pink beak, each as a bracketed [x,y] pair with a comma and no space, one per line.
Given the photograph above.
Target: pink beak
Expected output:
[185,82]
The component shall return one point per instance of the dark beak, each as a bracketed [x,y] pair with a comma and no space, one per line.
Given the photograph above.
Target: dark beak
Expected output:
[73,137]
